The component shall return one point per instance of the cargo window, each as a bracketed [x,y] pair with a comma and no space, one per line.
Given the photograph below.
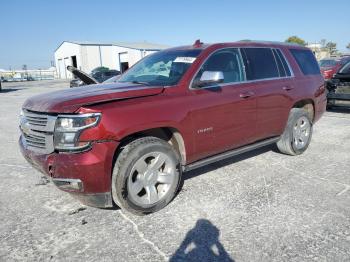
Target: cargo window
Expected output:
[259,63]
[306,61]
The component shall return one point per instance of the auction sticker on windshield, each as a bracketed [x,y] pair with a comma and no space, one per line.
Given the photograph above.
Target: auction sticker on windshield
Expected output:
[184,59]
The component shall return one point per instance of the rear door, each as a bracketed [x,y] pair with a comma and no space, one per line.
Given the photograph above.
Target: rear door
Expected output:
[223,114]
[270,75]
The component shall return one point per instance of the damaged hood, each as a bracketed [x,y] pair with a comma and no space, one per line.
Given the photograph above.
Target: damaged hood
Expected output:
[70,100]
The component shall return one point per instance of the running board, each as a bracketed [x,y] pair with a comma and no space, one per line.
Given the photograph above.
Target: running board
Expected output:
[231,153]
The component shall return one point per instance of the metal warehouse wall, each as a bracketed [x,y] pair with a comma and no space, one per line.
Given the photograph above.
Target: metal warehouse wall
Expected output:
[92,56]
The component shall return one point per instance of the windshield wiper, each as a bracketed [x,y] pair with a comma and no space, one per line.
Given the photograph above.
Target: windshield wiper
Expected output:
[140,83]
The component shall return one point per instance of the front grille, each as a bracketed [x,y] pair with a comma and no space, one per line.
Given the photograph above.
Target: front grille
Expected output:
[35,140]
[37,131]
[37,120]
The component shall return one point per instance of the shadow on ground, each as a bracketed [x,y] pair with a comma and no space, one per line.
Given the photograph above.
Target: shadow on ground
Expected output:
[201,244]
[8,90]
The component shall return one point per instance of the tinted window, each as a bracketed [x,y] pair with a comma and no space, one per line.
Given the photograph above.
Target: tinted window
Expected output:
[284,62]
[228,61]
[281,69]
[345,69]
[327,63]
[344,60]
[306,61]
[260,63]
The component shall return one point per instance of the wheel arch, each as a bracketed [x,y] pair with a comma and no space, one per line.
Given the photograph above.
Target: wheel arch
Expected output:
[169,134]
[308,105]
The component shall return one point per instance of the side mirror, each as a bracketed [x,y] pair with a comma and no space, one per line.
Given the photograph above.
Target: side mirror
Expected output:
[210,77]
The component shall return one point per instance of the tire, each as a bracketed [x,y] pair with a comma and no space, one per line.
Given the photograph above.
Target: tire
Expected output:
[299,128]
[146,176]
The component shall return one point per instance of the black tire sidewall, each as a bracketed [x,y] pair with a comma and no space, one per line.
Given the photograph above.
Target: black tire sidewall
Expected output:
[295,117]
[120,177]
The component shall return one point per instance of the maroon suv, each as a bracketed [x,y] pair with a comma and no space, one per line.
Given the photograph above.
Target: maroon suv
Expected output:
[128,142]
[330,66]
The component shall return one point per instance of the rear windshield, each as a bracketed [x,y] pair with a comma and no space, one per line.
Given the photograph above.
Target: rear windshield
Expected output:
[306,61]
[327,63]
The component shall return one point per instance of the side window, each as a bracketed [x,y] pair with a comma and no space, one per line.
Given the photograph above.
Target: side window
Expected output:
[260,63]
[228,61]
[306,61]
[284,62]
[345,69]
[281,69]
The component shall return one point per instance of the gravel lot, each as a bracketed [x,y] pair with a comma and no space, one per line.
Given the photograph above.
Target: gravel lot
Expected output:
[261,206]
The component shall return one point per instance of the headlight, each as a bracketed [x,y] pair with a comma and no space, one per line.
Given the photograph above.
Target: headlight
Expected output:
[68,129]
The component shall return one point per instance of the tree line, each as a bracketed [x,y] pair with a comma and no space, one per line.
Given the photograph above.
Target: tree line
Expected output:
[329,46]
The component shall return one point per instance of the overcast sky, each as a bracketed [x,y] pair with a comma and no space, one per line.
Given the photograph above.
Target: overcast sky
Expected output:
[32,30]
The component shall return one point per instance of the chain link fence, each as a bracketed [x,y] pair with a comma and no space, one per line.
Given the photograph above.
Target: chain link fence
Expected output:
[27,75]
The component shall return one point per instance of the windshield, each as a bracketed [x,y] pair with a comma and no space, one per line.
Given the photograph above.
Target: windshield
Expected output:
[327,63]
[164,68]
[112,79]
[345,69]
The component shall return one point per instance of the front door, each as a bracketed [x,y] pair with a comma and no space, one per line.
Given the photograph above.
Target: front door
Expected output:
[224,115]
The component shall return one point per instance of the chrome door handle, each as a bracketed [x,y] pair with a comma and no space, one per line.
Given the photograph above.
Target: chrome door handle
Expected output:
[287,88]
[246,94]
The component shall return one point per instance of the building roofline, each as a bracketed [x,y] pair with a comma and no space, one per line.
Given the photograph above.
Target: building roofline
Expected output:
[125,45]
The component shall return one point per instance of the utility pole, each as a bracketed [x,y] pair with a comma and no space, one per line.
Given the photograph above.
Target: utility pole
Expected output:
[25,71]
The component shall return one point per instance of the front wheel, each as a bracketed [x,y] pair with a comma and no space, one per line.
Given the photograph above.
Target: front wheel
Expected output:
[297,134]
[146,176]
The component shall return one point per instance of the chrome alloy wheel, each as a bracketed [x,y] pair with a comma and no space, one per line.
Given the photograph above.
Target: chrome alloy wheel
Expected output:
[151,177]
[301,132]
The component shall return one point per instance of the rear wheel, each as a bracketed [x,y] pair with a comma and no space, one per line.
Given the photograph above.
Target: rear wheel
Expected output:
[146,176]
[297,134]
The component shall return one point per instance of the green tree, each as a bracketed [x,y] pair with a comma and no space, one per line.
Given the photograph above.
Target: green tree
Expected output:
[296,40]
[331,47]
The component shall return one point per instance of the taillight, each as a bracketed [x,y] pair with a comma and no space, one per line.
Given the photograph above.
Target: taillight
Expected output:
[327,74]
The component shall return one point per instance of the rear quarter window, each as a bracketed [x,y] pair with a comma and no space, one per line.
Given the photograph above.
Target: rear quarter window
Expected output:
[306,61]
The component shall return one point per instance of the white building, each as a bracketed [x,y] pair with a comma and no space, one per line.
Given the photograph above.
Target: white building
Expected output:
[318,51]
[87,56]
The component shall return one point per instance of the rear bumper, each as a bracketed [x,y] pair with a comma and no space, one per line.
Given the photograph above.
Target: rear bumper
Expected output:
[86,175]
[338,99]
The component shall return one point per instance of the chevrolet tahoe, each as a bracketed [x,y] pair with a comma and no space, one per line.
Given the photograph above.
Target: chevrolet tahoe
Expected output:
[128,142]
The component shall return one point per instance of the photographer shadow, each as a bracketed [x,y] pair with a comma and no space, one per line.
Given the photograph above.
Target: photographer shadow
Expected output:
[202,244]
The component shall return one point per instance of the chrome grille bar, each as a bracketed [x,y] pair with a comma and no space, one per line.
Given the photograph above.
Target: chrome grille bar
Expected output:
[37,131]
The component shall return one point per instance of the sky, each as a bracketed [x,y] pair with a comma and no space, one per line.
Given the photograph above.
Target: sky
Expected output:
[31,30]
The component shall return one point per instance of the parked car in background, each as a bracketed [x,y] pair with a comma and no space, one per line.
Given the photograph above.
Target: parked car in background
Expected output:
[339,88]
[98,75]
[102,74]
[128,142]
[329,66]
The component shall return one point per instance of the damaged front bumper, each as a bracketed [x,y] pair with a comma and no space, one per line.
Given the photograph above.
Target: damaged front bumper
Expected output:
[86,176]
